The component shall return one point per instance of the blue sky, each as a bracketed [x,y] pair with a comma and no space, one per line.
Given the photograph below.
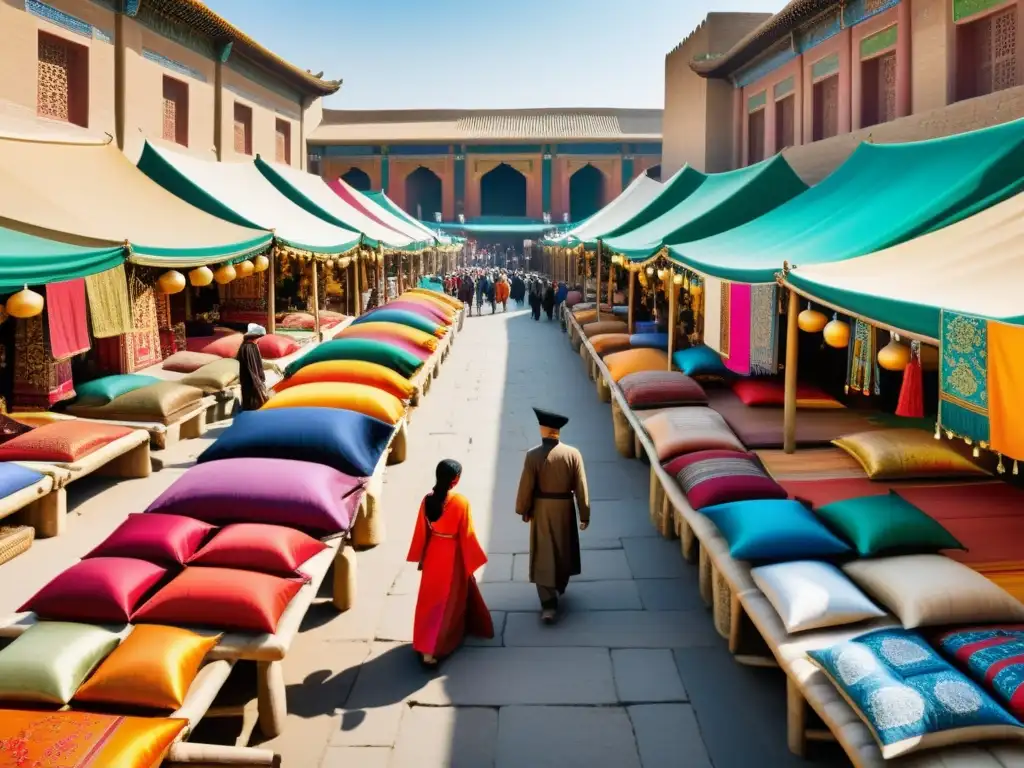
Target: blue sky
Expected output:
[475,53]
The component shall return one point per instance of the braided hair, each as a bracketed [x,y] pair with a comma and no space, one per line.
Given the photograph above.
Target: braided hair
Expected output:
[448,471]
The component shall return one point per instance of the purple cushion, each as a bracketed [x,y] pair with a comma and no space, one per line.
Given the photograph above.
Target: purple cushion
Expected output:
[719,477]
[311,497]
[661,389]
[163,539]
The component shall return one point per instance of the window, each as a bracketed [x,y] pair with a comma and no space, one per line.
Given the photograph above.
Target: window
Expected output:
[825,105]
[785,123]
[243,129]
[175,111]
[755,137]
[62,80]
[283,148]
[878,90]
[986,53]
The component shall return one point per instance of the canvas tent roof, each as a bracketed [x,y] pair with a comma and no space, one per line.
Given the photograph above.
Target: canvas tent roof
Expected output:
[974,266]
[683,183]
[630,201]
[385,209]
[882,195]
[239,193]
[721,202]
[497,226]
[30,260]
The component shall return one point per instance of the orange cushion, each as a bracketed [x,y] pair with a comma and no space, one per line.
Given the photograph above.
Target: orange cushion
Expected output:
[586,316]
[604,326]
[373,330]
[609,343]
[362,398]
[441,298]
[352,372]
[419,298]
[61,441]
[633,360]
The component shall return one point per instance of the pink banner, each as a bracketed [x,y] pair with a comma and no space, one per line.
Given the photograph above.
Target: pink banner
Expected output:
[351,196]
[739,329]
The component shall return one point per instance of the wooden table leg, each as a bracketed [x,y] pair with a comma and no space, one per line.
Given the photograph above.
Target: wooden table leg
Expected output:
[48,515]
[796,718]
[271,697]
[345,578]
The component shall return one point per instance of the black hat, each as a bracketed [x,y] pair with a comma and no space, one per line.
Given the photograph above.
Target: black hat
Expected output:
[549,419]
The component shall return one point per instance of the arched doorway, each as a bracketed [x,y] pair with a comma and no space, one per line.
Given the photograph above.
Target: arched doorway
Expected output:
[654,172]
[586,192]
[423,194]
[503,192]
[358,179]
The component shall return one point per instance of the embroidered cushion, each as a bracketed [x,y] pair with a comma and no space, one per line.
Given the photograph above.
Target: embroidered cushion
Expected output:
[103,390]
[14,477]
[401,317]
[361,398]
[684,430]
[225,346]
[354,372]
[904,454]
[993,657]
[932,590]
[214,377]
[609,343]
[622,364]
[152,668]
[809,594]
[877,524]
[718,477]
[370,350]
[61,441]
[259,547]
[220,598]
[772,393]
[774,530]
[651,340]
[187,362]
[161,539]
[372,330]
[163,402]
[909,696]
[660,389]
[604,326]
[429,311]
[309,496]
[700,361]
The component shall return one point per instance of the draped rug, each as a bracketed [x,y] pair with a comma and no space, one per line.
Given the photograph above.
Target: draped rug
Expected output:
[1005,385]
[862,373]
[738,360]
[139,348]
[963,376]
[66,318]
[764,330]
[109,306]
[39,380]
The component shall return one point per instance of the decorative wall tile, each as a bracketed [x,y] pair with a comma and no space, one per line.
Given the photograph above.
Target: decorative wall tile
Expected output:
[58,17]
[825,67]
[856,11]
[963,9]
[757,101]
[765,65]
[180,33]
[171,64]
[784,88]
[818,31]
[878,42]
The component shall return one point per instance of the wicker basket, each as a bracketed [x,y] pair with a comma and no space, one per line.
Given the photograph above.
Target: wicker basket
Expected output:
[622,431]
[721,596]
[15,539]
[704,575]
[686,539]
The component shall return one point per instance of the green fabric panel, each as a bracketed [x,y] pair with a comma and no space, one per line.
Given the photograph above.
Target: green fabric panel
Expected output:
[370,350]
[101,391]
[784,88]
[865,205]
[757,101]
[388,205]
[30,260]
[825,67]
[963,9]
[685,182]
[878,42]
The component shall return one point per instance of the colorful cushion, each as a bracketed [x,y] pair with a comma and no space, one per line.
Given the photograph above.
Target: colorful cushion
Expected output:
[700,361]
[572,298]
[103,590]
[369,350]
[718,477]
[428,311]
[300,321]
[48,662]
[187,362]
[650,340]
[214,377]
[609,343]
[368,330]
[660,389]
[772,393]
[905,454]
[621,364]
[160,539]
[401,317]
[932,590]
[808,594]
[221,598]
[993,657]
[225,346]
[877,524]
[909,696]
[685,430]
[774,530]
[425,301]
[14,478]
[361,398]
[101,391]
[153,668]
[354,372]
[300,494]
[441,298]
[163,402]
[61,441]
[259,547]
[397,342]
[350,442]
[274,347]
[604,326]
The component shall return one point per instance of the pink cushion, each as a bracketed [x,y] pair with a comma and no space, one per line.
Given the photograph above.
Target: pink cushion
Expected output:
[258,547]
[100,590]
[164,539]
[719,477]
[421,353]
[661,389]
[274,347]
[757,393]
[225,346]
[422,309]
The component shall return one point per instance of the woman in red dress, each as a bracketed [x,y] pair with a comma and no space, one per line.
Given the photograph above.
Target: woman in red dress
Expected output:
[449,605]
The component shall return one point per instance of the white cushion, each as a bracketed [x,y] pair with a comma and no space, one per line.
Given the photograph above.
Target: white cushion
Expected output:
[808,594]
[932,590]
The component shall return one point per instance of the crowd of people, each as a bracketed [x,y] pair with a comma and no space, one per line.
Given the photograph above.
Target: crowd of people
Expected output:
[496,287]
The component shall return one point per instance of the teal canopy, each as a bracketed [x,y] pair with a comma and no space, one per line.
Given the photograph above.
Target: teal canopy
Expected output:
[631,202]
[495,225]
[721,202]
[882,195]
[387,205]
[683,183]
[30,260]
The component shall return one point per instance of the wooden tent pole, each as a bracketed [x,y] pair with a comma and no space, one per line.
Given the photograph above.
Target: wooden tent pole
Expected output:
[597,276]
[316,299]
[632,294]
[357,266]
[611,281]
[272,291]
[673,290]
[792,350]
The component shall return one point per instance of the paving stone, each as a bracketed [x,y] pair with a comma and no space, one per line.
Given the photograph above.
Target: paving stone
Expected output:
[581,596]
[618,520]
[670,594]
[668,736]
[447,737]
[498,568]
[356,757]
[498,620]
[521,547]
[614,629]
[617,479]
[654,558]
[565,737]
[597,565]
[407,582]
[396,622]
[644,675]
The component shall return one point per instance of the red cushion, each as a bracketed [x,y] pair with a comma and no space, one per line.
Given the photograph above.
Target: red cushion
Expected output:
[61,441]
[661,389]
[274,347]
[719,477]
[259,547]
[221,598]
[101,590]
[165,539]
[225,346]
[772,392]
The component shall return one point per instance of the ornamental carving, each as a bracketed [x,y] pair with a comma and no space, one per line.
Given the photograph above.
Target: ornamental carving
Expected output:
[52,81]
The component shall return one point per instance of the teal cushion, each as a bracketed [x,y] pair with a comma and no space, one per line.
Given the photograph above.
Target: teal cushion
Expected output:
[102,391]
[909,696]
[371,350]
[400,316]
[51,659]
[700,361]
[774,530]
[886,523]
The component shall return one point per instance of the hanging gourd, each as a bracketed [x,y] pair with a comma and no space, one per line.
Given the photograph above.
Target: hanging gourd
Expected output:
[261,264]
[200,277]
[894,356]
[811,320]
[245,268]
[225,274]
[171,281]
[650,271]
[25,304]
[677,278]
[837,333]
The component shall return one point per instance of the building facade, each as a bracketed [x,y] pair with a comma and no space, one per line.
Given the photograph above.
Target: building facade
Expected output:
[490,163]
[168,71]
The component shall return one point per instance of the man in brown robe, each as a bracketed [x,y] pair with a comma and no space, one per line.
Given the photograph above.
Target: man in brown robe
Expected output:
[552,489]
[251,377]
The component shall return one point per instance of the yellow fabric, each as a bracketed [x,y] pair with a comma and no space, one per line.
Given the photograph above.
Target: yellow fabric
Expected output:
[1005,386]
[110,310]
[903,454]
[608,343]
[441,297]
[61,739]
[361,398]
[632,360]
[39,418]
[420,298]
[604,326]
[369,329]
[1011,581]
[352,372]
[152,668]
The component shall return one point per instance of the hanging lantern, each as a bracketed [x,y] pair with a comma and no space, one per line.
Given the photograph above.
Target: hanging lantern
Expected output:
[837,333]
[811,320]
[225,274]
[260,264]
[25,304]
[245,268]
[696,290]
[171,281]
[650,271]
[677,278]
[330,263]
[894,356]
[661,274]
[200,277]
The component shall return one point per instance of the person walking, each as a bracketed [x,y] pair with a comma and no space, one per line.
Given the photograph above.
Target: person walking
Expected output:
[549,301]
[501,292]
[252,379]
[552,493]
[535,300]
[465,292]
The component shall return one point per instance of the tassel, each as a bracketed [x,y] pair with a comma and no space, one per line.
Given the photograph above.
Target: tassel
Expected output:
[911,402]
[1015,466]
[976,453]
[999,467]
[938,431]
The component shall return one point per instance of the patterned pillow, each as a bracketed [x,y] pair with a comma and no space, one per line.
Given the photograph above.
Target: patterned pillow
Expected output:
[772,393]
[652,340]
[685,430]
[188,362]
[718,477]
[909,696]
[994,658]
[905,454]
[659,389]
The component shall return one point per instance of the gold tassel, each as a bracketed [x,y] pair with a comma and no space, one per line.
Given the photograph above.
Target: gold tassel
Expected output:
[976,453]
[1015,466]
[938,431]
[949,434]
[999,467]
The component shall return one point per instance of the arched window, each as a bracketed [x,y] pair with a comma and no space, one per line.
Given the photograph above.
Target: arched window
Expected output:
[358,179]
[423,194]
[654,172]
[586,192]
[503,192]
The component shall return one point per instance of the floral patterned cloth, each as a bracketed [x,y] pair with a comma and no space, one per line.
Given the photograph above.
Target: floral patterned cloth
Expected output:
[963,376]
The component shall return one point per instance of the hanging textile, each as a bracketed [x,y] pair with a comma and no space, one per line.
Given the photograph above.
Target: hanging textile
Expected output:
[141,347]
[1005,385]
[109,306]
[65,315]
[911,402]
[862,372]
[39,380]
[739,328]
[764,330]
[168,344]
[725,319]
[963,376]
[713,314]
